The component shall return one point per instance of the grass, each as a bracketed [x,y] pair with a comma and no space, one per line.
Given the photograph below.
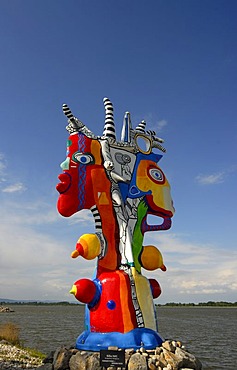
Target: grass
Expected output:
[10,333]
[35,353]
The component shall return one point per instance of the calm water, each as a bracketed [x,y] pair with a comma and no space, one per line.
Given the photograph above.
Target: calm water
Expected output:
[208,333]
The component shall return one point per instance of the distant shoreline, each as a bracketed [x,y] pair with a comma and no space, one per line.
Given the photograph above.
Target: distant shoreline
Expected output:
[171,304]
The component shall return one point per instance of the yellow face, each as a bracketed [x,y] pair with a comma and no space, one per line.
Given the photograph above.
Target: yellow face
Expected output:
[150,178]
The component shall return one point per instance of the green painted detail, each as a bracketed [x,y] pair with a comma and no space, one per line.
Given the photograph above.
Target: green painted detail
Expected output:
[138,236]
[69,142]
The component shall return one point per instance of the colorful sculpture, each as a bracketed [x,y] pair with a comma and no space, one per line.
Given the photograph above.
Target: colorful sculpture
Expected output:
[121,183]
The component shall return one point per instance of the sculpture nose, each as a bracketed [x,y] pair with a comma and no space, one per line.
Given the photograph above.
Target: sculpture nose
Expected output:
[65,164]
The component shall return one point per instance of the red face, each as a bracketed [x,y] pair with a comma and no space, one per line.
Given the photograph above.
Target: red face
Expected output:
[76,181]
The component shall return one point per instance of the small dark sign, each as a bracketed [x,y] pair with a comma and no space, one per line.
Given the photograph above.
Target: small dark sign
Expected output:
[112,358]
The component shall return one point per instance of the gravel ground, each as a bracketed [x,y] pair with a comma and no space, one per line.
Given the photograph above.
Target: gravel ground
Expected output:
[12,357]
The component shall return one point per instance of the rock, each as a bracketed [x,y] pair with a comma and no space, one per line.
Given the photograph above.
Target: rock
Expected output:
[137,362]
[77,362]
[158,350]
[47,366]
[113,348]
[187,360]
[6,309]
[93,362]
[171,359]
[161,358]
[169,346]
[49,358]
[129,351]
[152,366]
[61,358]
[162,362]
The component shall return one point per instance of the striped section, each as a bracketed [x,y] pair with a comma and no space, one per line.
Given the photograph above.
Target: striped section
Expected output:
[141,127]
[67,111]
[151,132]
[81,173]
[157,145]
[109,127]
[138,312]
[97,219]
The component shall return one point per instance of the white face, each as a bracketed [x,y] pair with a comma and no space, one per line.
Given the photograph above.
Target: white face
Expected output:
[123,162]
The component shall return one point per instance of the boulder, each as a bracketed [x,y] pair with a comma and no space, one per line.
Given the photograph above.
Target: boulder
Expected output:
[77,362]
[61,358]
[137,362]
[6,309]
[187,360]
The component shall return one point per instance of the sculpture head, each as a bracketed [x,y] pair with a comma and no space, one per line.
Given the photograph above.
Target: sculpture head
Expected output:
[96,166]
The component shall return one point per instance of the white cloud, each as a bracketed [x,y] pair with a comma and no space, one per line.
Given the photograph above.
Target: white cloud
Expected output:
[2,168]
[195,272]
[161,124]
[154,124]
[8,185]
[215,178]
[13,188]
[35,248]
[2,163]
[84,216]
[35,262]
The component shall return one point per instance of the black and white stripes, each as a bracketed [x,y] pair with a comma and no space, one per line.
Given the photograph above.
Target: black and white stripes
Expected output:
[74,125]
[67,111]
[97,219]
[109,127]
[141,127]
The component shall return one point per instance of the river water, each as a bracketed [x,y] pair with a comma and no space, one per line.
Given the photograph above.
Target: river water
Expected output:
[207,332]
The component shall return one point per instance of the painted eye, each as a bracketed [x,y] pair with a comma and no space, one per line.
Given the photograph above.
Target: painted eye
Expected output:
[83,158]
[156,174]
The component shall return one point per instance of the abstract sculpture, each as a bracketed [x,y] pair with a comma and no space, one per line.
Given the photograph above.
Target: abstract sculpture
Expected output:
[121,183]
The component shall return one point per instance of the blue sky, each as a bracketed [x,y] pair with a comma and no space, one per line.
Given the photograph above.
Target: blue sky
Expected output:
[172,63]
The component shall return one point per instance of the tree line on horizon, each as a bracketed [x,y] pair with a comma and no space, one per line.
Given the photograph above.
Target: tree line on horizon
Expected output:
[170,304]
[200,304]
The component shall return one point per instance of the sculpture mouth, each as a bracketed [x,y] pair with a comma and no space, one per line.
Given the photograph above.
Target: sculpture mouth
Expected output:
[163,213]
[156,210]
[64,184]
[164,225]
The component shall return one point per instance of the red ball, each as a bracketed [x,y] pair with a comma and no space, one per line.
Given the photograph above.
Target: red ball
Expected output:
[86,290]
[155,288]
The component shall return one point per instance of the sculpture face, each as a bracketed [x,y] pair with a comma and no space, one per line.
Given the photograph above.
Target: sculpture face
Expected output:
[121,183]
[152,180]
[84,180]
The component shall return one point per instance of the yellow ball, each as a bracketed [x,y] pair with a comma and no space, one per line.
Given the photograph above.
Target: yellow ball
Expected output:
[91,245]
[151,258]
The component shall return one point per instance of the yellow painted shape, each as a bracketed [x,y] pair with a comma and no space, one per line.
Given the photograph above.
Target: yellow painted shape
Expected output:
[145,299]
[73,290]
[103,199]
[75,254]
[95,150]
[151,258]
[91,245]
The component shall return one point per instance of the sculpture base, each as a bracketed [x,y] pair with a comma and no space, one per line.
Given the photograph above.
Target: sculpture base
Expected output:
[136,338]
